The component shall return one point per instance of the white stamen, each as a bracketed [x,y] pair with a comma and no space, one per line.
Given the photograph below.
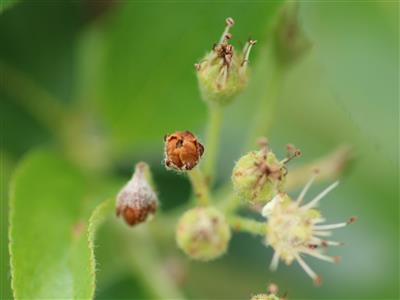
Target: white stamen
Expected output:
[305,267]
[319,255]
[274,262]
[325,242]
[305,189]
[322,233]
[315,201]
[330,226]
[246,52]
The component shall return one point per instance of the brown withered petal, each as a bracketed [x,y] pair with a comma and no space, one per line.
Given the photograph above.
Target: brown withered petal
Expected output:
[136,201]
[182,150]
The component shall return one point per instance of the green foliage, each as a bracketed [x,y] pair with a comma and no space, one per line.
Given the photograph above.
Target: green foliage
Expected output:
[5,4]
[51,232]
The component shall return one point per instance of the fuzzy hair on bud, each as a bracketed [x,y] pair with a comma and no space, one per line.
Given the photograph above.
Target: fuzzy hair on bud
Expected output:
[203,233]
[258,175]
[137,201]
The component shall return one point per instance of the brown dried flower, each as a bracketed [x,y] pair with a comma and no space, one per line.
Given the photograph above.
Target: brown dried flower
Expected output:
[137,200]
[182,150]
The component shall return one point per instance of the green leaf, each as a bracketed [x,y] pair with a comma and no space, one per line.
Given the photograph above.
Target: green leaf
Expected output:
[4,4]
[51,232]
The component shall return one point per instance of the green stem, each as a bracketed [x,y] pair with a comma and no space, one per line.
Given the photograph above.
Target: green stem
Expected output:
[247,225]
[265,111]
[212,140]
[200,186]
[232,203]
[43,106]
[144,260]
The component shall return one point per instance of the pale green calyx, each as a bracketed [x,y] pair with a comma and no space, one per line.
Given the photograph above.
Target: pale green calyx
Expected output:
[258,176]
[203,233]
[223,72]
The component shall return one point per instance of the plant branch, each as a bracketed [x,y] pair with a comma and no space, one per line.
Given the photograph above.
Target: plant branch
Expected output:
[247,225]
[200,187]
[212,140]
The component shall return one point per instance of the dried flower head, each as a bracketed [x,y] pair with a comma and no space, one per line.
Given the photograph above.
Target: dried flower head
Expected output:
[222,73]
[182,150]
[137,200]
[259,175]
[294,229]
[203,233]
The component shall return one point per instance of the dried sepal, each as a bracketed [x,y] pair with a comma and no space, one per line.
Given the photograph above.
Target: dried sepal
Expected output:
[137,201]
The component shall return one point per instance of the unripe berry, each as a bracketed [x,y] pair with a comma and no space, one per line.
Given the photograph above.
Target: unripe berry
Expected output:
[259,175]
[137,200]
[222,73]
[203,233]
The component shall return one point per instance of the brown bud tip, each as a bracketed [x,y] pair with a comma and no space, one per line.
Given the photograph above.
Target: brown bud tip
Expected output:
[352,220]
[252,42]
[229,22]
[197,67]
[182,150]
[318,281]
[337,259]
[228,36]
[136,215]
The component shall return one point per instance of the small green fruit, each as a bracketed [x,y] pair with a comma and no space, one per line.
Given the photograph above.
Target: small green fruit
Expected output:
[203,233]
[257,176]
[222,73]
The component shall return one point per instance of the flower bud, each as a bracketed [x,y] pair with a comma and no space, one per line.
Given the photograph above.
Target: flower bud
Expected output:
[259,175]
[222,73]
[182,150]
[203,233]
[137,200]
[272,294]
[290,40]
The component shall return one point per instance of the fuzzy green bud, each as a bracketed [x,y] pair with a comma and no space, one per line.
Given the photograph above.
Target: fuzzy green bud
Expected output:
[203,233]
[290,40]
[223,72]
[259,175]
[272,294]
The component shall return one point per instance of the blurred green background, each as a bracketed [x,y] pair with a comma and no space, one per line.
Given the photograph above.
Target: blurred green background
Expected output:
[123,71]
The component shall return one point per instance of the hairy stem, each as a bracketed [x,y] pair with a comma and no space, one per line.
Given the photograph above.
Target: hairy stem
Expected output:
[200,186]
[212,140]
[247,225]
